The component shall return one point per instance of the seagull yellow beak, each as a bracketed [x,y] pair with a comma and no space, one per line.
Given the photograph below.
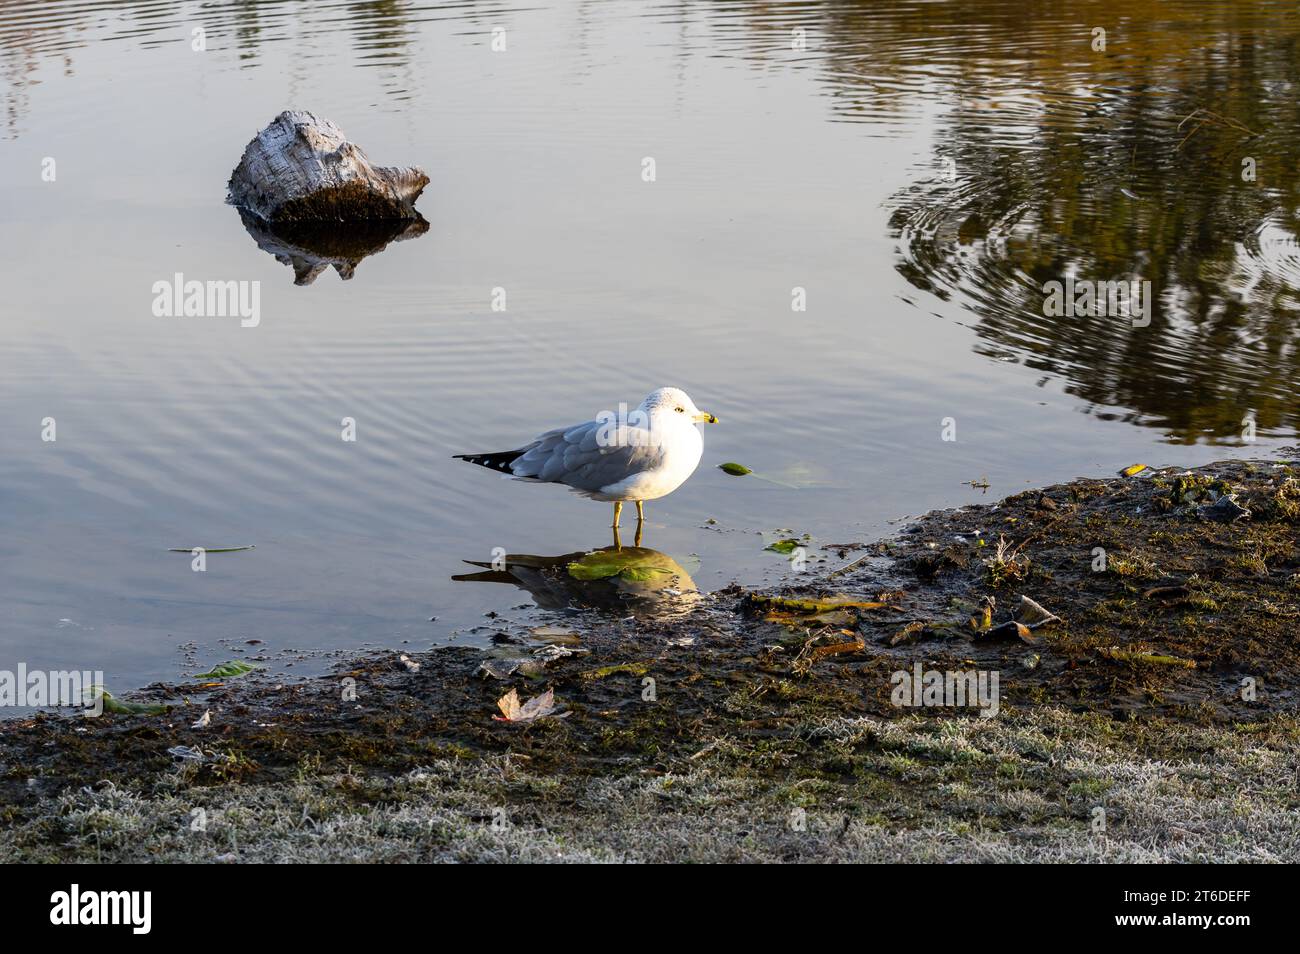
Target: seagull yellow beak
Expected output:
[704,417]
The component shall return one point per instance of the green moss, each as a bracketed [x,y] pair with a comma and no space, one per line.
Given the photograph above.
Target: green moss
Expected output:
[635,669]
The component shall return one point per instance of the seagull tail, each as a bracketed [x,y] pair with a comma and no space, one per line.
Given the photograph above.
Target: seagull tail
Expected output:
[499,461]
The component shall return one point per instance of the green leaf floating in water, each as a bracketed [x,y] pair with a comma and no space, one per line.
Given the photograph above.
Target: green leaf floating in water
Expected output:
[225,670]
[786,546]
[209,549]
[125,708]
[740,470]
[628,564]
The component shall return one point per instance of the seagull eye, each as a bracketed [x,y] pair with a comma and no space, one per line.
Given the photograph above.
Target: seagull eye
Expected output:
[681,410]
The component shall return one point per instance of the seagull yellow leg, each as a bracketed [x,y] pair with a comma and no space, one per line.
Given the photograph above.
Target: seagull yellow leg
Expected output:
[640,511]
[636,541]
[618,509]
[618,543]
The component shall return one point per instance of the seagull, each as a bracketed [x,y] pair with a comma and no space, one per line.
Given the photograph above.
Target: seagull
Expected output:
[637,456]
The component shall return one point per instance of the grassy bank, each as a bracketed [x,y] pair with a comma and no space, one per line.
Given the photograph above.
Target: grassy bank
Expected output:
[1148,717]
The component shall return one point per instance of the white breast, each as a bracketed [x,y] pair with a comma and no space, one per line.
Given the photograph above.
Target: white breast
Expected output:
[683,448]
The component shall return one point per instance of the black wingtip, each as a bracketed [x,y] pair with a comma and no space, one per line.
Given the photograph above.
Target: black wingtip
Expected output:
[499,461]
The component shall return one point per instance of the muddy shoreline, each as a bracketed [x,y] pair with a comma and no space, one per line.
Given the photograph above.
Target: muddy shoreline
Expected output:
[1145,710]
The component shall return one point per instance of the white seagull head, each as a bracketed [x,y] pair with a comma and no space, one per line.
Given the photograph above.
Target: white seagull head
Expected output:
[668,404]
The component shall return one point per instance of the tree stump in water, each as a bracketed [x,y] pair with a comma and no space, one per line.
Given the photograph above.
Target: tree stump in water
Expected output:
[302,169]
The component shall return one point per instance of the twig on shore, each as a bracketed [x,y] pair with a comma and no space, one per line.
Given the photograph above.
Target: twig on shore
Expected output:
[852,566]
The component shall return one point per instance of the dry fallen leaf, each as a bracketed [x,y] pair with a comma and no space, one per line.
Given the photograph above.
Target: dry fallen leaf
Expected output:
[538,707]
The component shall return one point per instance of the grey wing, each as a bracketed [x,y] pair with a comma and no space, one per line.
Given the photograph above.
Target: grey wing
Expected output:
[587,460]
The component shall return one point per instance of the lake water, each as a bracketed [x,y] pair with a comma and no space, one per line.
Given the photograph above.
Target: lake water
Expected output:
[918,169]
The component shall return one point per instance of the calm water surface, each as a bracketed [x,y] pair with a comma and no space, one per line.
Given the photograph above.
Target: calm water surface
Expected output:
[920,168]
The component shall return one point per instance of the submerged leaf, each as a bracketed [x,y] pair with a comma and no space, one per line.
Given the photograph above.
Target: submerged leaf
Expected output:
[631,564]
[734,469]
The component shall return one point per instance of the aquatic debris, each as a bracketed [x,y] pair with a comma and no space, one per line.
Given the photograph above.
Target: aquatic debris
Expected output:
[189,753]
[301,168]
[811,653]
[928,566]
[735,470]
[632,565]
[1150,659]
[228,670]
[1006,564]
[795,612]
[784,547]
[210,549]
[1133,470]
[117,706]
[410,664]
[980,484]
[1224,510]
[853,644]
[554,651]
[1009,630]
[1184,594]
[982,621]
[630,668]
[1208,117]
[538,707]
[555,634]
[908,634]
[849,567]
[203,721]
[500,668]
[795,604]
[1187,490]
[529,666]
[1032,614]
